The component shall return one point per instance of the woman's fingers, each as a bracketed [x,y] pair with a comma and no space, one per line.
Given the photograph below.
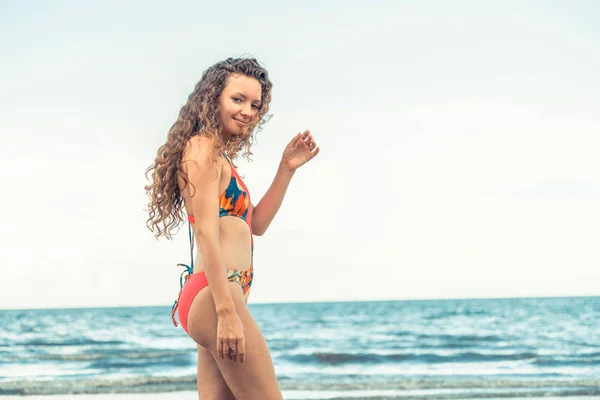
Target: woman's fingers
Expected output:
[310,143]
[309,139]
[231,354]
[220,348]
[232,351]
[230,337]
[294,142]
[300,137]
[241,348]
[315,152]
[226,349]
[237,350]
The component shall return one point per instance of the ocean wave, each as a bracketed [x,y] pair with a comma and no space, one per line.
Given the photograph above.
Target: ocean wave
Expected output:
[150,356]
[461,338]
[111,364]
[311,383]
[141,355]
[466,387]
[454,395]
[458,312]
[145,384]
[68,342]
[587,360]
[420,357]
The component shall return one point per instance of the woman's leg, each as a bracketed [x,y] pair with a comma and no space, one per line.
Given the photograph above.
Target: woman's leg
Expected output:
[253,379]
[211,385]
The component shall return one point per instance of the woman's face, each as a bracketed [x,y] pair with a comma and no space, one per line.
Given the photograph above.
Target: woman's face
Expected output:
[239,103]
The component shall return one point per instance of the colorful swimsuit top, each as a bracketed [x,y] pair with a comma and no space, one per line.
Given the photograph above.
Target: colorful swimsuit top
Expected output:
[235,200]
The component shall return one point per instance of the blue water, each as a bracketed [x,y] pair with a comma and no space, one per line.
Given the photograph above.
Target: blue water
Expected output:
[368,350]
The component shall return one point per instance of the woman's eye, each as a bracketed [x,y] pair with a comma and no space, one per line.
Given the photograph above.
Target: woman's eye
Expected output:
[237,99]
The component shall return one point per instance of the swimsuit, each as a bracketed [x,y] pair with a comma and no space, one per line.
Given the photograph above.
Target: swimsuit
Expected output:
[234,201]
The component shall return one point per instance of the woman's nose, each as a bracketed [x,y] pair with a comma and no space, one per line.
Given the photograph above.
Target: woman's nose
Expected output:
[247,111]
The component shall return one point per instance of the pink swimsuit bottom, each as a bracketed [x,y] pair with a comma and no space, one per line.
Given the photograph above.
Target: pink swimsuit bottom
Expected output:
[194,283]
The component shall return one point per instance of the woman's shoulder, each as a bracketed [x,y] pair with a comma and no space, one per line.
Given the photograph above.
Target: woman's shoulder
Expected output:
[201,150]
[199,145]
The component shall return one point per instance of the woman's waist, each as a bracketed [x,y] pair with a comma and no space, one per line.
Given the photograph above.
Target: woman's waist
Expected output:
[236,255]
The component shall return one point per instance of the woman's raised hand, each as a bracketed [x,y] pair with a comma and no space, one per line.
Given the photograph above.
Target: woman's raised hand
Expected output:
[301,149]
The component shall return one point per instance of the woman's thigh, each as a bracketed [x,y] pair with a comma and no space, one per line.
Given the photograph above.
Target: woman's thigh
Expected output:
[211,385]
[253,379]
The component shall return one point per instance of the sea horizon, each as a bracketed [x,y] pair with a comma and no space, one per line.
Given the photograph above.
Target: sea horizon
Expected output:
[318,302]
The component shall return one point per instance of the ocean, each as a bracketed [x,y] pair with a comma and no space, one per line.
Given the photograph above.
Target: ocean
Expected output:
[442,349]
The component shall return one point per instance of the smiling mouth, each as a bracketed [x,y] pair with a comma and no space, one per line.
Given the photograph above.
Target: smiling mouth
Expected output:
[243,123]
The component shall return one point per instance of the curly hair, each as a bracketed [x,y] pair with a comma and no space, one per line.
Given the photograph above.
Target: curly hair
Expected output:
[200,116]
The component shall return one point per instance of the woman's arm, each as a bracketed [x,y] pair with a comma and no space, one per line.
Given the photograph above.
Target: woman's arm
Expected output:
[267,207]
[204,178]
[301,149]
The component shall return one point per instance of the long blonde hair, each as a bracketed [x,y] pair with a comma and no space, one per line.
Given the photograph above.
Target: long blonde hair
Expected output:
[200,116]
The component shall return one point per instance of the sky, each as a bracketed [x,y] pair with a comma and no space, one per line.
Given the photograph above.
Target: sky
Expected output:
[459,147]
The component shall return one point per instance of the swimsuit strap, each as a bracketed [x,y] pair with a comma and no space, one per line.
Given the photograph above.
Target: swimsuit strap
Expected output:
[191,235]
[187,272]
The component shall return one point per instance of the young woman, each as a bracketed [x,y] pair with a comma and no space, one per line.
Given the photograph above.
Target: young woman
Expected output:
[193,174]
